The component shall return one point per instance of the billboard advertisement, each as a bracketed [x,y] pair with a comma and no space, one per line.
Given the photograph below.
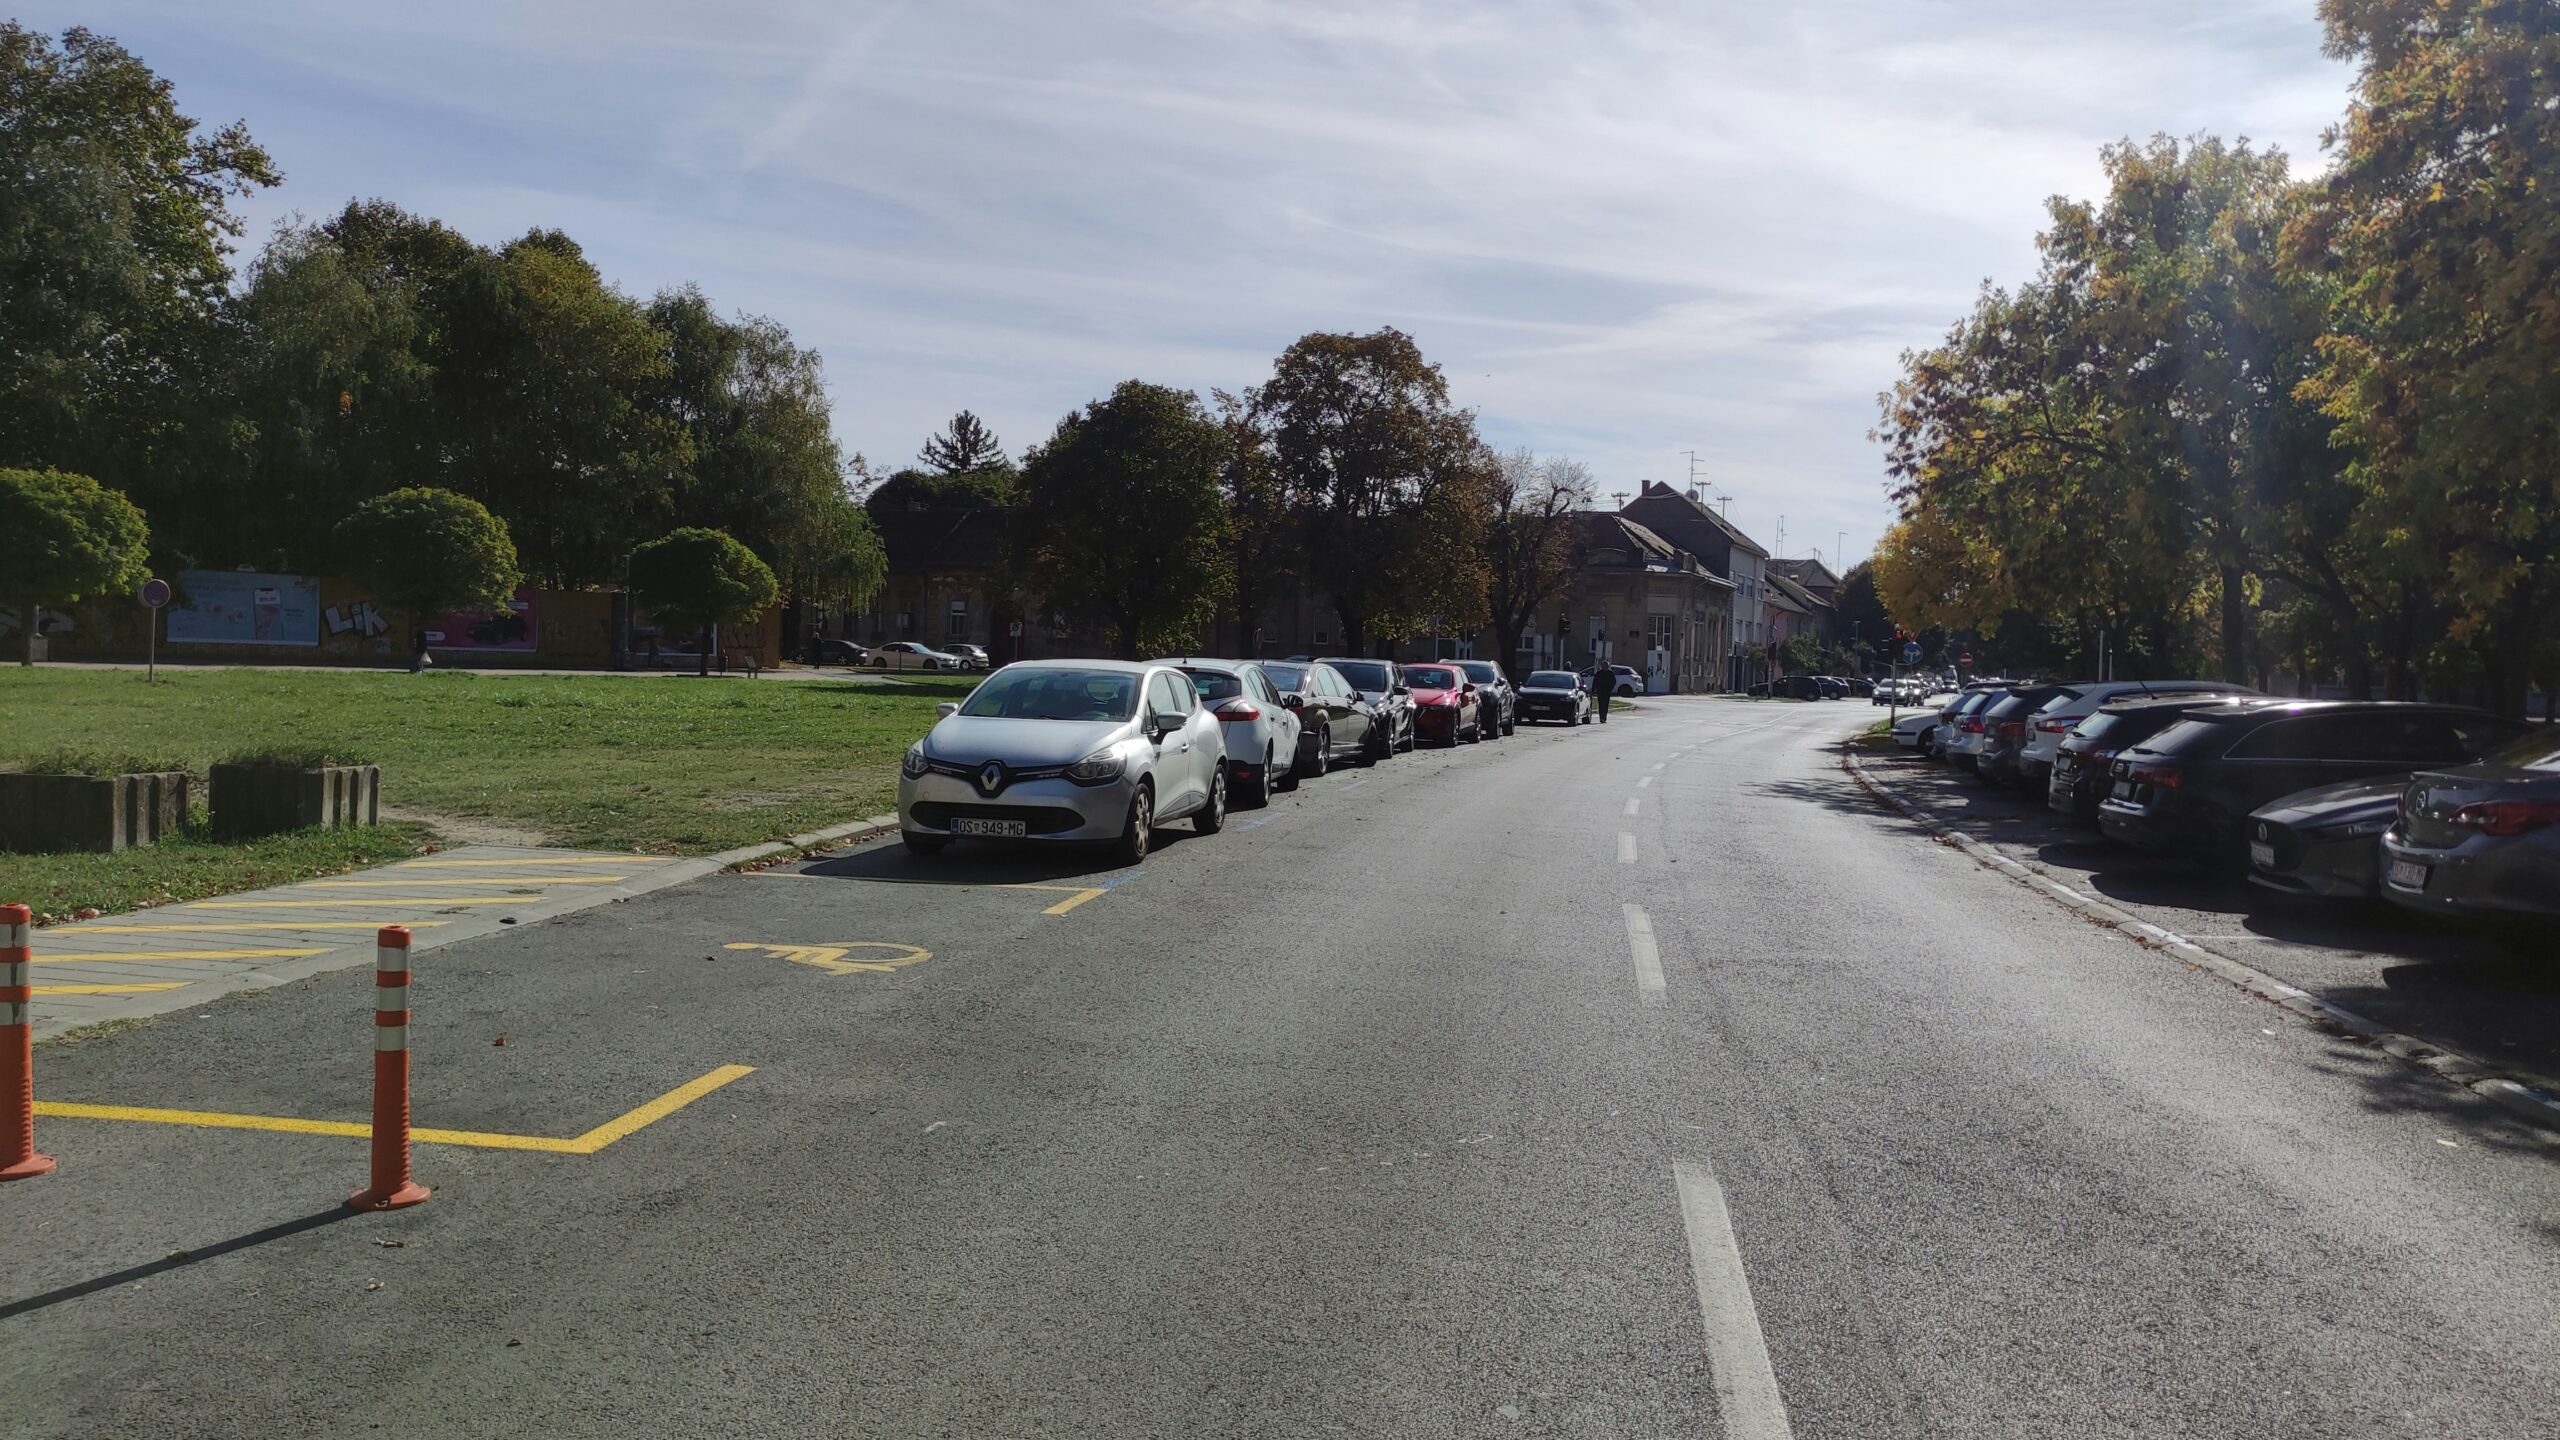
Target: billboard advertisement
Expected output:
[244,607]
[516,628]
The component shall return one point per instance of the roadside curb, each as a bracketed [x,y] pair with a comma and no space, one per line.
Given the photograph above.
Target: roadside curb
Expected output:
[2514,1096]
[855,833]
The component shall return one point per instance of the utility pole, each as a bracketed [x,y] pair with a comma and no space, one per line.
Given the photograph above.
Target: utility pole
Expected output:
[1782,537]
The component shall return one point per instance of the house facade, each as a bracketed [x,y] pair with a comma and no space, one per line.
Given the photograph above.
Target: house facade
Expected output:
[1684,519]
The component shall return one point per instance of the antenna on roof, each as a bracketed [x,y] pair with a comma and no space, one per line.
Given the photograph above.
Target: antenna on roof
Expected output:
[1722,500]
[1620,496]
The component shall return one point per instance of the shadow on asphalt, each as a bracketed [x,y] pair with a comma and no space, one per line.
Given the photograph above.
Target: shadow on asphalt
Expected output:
[2480,994]
[987,862]
[132,1274]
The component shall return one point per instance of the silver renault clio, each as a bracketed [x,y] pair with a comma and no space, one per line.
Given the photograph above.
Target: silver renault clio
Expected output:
[1066,750]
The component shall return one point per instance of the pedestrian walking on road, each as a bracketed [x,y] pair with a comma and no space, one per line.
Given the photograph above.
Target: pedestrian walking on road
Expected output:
[1604,687]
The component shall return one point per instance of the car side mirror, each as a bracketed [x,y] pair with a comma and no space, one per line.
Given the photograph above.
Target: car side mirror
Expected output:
[946,709]
[1293,701]
[1159,726]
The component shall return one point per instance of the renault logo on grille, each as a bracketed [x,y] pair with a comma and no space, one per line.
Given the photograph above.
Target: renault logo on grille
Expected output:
[2262,829]
[991,776]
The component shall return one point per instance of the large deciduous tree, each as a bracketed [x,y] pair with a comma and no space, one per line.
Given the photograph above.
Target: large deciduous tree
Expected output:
[1529,538]
[69,539]
[424,552]
[703,578]
[1385,483]
[115,232]
[1123,527]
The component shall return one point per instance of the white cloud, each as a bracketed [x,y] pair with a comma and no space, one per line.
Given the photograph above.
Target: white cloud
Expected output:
[1627,230]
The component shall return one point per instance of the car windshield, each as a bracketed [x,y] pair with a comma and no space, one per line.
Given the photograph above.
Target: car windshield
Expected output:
[1044,694]
[1214,684]
[1363,674]
[1550,680]
[1482,672]
[1286,676]
[2536,749]
[1432,677]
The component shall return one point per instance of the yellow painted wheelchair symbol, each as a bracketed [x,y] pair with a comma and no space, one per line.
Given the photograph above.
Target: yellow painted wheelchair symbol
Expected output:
[831,957]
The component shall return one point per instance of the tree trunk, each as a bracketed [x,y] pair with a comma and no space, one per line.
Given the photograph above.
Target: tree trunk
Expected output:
[1506,640]
[2235,627]
[27,646]
[703,661]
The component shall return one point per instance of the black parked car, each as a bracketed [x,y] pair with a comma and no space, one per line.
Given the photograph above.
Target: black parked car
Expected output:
[2079,779]
[2004,731]
[1381,683]
[840,652]
[1501,699]
[1334,723]
[1557,695]
[2190,788]
[2325,840]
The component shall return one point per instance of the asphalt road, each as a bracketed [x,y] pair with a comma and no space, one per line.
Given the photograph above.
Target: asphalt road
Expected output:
[1443,1099]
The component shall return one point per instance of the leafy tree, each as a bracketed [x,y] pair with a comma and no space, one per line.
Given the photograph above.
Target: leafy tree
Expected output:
[924,490]
[964,447]
[424,552]
[115,233]
[1529,538]
[1860,608]
[1802,653]
[1123,525]
[69,539]
[704,578]
[1385,483]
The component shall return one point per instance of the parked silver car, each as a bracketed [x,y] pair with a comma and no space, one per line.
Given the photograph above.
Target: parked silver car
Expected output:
[1261,730]
[1066,750]
[2482,839]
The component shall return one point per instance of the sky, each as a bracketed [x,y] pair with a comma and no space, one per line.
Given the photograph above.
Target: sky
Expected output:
[1648,236]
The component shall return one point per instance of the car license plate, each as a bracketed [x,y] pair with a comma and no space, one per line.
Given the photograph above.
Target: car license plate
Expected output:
[2124,790]
[2408,875]
[2262,854]
[996,829]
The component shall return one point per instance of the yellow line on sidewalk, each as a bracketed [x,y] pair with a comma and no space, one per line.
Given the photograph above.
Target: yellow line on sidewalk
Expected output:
[111,989]
[101,957]
[85,928]
[395,881]
[1081,896]
[354,901]
[533,860]
[621,1127]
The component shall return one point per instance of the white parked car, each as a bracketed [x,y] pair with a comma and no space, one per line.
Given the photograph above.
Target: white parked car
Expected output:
[908,655]
[2050,725]
[1261,730]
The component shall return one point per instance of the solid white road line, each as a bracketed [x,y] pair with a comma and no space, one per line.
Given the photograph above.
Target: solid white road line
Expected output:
[1648,956]
[1626,848]
[1633,806]
[1737,1353]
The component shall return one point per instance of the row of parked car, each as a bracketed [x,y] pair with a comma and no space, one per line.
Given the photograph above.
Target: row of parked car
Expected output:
[898,655]
[1104,751]
[2438,808]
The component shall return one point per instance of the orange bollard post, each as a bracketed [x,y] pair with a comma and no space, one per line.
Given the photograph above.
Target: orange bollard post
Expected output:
[18,1157]
[391,1188]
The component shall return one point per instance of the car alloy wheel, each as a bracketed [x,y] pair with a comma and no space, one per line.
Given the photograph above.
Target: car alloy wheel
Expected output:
[1255,793]
[1212,817]
[1320,758]
[1139,828]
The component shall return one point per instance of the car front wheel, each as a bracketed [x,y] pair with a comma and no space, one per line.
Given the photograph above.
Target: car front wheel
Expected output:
[1209,819]
[1138,829]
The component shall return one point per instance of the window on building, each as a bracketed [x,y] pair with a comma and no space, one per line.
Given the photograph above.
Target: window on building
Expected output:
[1657,632]
[959,620]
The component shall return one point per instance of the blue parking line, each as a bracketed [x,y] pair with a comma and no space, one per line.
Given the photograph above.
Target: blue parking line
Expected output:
[1356,784]
[1257,824]
[1116,881]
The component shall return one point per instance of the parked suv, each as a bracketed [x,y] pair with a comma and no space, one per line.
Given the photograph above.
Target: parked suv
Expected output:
[2079,780]
[2005,725]
[1381,683]
[2190,788]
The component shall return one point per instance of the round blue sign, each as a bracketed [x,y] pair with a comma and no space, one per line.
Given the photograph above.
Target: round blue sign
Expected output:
[155,593]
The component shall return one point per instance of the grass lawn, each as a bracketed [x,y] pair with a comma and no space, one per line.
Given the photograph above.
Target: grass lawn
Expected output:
[662,763]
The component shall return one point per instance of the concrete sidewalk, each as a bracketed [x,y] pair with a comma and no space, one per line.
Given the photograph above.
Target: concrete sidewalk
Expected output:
[152,962]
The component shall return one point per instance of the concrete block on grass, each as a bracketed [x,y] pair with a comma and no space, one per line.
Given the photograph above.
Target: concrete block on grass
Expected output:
[254,799]
[99,813]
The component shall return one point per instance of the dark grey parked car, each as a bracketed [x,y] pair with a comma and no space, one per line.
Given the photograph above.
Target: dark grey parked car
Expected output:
[2325,840]
[2481,839]
[1381,683]
[1501,701]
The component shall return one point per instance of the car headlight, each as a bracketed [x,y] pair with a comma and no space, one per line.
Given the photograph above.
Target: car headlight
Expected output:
[1100,766]
[913,766]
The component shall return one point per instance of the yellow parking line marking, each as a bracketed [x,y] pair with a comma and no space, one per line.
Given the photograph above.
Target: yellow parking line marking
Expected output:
[85,928]
[354,901]
[474,880]
[100,957]
[110,989]
[1081,896]
[532,860]
[621,1127]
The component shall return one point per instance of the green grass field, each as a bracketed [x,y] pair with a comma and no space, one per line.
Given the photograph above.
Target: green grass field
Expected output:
[663,763]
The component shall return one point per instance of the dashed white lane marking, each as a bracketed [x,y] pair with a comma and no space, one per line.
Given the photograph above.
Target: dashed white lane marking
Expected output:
[1626,848]
[1645,784]
[1747,1396]
[1657,765]
[1648,956]
[1633,806]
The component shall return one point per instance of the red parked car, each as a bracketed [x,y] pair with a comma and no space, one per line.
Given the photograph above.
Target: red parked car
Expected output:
[1446,705]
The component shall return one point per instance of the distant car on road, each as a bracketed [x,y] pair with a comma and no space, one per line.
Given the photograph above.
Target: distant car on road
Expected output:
[842,652]
[1447,707]
[2190,789]
[1261,730]
[1626,680]
[1066,750]
[1557,695]
[1501,697]
[908,655]
[1381,683]
[2484,839]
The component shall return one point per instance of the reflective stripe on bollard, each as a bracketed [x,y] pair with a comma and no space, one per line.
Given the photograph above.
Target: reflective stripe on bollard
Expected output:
[392,1186]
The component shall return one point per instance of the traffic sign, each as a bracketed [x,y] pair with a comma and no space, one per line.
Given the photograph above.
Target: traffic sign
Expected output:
[155,593]
[1911,653]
